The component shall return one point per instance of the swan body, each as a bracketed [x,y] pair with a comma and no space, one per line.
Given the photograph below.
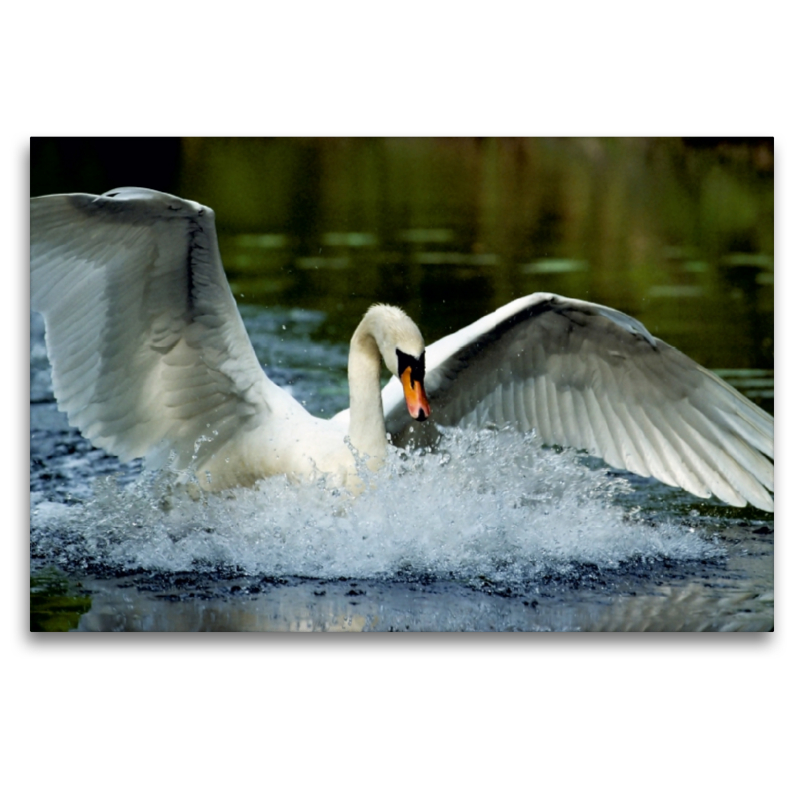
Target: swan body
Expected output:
[151,359]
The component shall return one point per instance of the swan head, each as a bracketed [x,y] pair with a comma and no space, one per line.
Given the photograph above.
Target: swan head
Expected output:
[403,350]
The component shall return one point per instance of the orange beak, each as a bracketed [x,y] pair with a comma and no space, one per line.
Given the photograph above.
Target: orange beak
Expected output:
[416,399]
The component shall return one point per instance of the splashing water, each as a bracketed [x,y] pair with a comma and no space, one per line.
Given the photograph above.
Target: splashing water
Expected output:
[484,506]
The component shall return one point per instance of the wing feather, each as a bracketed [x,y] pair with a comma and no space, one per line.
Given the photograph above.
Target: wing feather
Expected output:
[586,376]
[149,352]
[541,417]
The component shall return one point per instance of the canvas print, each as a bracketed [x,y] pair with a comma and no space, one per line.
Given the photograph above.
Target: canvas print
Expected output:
[402,384]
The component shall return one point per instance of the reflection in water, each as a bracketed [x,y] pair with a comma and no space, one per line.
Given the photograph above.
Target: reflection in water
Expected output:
[56,605]
[680,237]
[710,601]
[300,609]
[312,232]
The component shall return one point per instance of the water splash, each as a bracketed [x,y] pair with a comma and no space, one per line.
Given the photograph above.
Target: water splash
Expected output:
[488,506]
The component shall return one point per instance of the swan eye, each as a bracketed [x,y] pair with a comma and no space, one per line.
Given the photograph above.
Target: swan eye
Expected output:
[417,365]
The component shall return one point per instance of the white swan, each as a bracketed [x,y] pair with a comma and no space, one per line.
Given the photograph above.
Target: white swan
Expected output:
[150,358]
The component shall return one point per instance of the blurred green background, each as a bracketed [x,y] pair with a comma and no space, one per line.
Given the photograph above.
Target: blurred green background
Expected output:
[677,232]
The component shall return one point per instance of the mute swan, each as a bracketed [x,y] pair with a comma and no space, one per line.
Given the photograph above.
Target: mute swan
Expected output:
[150,358]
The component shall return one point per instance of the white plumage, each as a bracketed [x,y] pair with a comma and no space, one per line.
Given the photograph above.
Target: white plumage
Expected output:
[150,358]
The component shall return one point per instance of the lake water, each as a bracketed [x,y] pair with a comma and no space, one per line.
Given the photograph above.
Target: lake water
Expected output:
[491,531]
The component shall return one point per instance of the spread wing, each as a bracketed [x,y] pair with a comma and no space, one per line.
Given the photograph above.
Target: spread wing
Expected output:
[590,377]
[149,352]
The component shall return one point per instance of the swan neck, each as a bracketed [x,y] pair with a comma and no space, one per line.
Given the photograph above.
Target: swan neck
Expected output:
[367,426]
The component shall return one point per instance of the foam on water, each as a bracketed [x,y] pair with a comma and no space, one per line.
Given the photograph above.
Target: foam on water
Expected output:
[484,506]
